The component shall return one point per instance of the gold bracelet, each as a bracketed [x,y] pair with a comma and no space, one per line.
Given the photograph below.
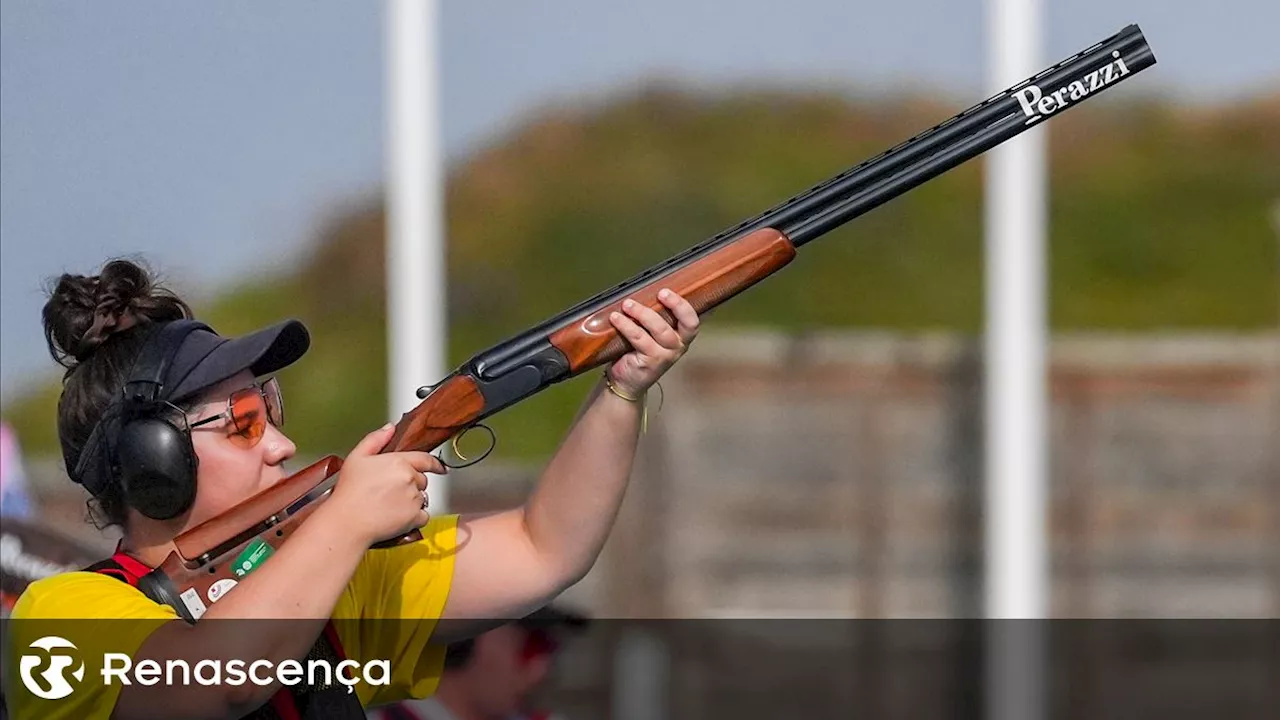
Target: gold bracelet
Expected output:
[608,382]
[644,402]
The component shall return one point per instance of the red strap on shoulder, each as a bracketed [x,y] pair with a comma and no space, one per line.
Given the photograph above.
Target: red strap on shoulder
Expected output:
[118,574]
[131,566]
[122,567]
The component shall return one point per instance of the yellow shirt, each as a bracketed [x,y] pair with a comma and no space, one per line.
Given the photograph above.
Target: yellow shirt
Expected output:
[387,611]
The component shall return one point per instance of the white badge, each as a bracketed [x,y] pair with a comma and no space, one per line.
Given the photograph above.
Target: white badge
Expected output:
[220,588]
[194,604]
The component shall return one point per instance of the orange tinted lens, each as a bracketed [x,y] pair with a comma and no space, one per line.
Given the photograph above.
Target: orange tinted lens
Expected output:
[275,402]
[248,417]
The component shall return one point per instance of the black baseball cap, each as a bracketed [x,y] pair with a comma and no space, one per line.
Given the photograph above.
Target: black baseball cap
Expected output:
[193,358]
[205,358]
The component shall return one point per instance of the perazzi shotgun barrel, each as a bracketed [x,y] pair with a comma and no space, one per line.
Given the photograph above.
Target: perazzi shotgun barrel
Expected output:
[207,560]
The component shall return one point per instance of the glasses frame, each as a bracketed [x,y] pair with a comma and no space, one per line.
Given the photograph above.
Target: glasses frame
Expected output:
[263,389]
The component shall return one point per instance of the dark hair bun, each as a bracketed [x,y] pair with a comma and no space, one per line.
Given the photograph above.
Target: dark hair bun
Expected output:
[83,312]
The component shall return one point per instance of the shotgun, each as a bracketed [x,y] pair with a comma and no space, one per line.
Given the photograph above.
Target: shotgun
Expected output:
[206,561]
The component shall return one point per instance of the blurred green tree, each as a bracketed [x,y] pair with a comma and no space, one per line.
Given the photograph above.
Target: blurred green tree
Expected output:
[1159,221]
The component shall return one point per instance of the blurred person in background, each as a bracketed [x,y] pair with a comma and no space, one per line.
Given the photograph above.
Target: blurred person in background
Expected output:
[215,410]
[14,501]
[495,675]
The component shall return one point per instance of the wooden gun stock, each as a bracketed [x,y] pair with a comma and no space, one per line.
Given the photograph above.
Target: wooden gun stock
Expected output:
[451,407]
[208,560]
[705,283]
[258,512]
[203,557]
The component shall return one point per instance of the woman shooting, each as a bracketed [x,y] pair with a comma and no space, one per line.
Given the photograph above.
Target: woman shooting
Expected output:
[219,440]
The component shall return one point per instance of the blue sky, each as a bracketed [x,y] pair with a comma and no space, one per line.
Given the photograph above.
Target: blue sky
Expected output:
[215,138]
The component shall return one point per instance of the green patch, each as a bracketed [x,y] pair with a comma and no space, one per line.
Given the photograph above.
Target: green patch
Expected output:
[252,556]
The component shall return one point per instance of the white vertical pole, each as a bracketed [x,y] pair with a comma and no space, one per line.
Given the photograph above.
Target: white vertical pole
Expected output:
[416,331]
[1016,340]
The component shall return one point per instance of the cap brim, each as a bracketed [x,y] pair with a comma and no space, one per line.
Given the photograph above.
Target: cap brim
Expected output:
[261,353]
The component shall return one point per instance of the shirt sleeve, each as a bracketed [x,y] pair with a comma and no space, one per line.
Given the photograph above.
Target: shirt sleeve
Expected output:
[391,607]
[62,629]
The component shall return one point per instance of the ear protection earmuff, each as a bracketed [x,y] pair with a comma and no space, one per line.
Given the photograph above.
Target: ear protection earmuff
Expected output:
[152,454]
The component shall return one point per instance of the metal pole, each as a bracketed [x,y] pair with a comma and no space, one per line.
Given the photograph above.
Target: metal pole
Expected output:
[416,320]
[1015,387]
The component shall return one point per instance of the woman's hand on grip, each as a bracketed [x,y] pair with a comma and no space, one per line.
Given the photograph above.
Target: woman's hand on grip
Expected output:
[383,495]
[656,345]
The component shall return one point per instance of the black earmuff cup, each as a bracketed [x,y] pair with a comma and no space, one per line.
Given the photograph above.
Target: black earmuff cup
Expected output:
[156,465]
